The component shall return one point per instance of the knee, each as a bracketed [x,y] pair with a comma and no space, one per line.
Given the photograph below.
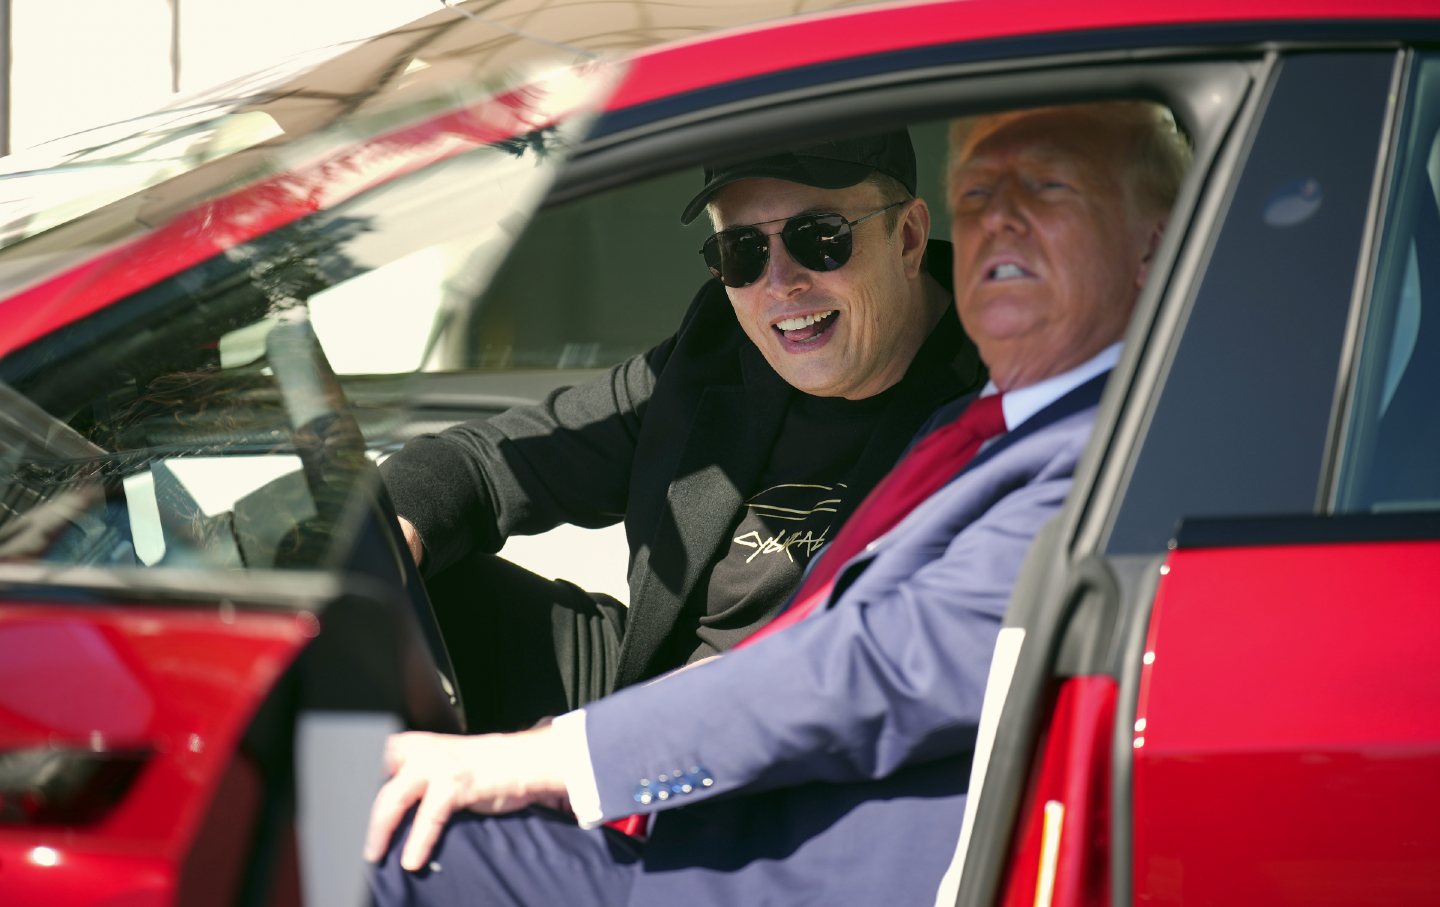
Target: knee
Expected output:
[532,858]
[390,884]
[393,885]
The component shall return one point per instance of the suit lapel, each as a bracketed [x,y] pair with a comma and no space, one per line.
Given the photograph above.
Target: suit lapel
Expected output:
[1081,397]
[1078,398]
[730,436]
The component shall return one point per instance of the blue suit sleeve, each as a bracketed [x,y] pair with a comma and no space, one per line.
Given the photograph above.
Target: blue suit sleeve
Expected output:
[892,674]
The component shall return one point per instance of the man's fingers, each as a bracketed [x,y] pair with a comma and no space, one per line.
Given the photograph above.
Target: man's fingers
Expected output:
[398,748]
[490,774]
[412,540]
[435,809]
[390,804]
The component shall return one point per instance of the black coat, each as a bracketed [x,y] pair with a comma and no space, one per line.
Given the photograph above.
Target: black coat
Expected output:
[670,441]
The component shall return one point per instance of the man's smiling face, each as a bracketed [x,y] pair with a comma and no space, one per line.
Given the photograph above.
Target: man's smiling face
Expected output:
[1051,244]
[850,332]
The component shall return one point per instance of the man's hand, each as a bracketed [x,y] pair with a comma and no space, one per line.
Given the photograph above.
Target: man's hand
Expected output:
[412,540]
[491,773]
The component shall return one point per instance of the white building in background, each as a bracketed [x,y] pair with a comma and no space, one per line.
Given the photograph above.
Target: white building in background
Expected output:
[69,65]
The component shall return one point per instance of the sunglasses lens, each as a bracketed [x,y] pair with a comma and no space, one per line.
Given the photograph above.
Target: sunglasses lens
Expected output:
[820,242]
[737,257]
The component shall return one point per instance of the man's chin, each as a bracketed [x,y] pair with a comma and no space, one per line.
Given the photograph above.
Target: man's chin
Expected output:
[817,381]
[835,383]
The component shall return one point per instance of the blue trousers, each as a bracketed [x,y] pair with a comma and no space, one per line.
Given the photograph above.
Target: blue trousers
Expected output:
[535,858]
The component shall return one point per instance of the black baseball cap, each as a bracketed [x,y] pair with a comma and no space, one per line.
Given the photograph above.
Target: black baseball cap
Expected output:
[827,165]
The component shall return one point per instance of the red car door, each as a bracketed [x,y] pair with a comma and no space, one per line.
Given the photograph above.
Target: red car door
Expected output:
[1287,732]
[1222,694]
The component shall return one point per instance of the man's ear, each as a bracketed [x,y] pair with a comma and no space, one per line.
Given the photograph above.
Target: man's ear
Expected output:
[1152,245]
[914,232]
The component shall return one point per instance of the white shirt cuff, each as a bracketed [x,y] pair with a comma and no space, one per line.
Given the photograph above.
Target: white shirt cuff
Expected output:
[579,774]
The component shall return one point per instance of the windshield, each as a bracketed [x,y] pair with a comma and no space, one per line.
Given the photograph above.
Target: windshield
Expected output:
[172,403]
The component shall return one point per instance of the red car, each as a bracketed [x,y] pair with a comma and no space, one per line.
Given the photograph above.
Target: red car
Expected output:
[1211,684]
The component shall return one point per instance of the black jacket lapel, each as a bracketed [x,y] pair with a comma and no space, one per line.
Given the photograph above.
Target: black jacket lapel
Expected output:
[730,436]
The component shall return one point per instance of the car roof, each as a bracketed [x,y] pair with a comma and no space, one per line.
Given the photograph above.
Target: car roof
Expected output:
[843,34]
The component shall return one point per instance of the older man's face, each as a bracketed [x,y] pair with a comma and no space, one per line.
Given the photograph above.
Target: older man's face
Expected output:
[850,332]
[1051,246]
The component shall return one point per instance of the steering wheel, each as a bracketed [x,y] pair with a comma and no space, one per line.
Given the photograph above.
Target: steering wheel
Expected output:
[349,494]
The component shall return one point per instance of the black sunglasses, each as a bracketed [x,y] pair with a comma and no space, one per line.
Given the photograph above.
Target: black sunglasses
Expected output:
[820,242]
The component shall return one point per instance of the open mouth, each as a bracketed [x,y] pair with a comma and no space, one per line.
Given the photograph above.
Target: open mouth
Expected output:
[1007,271]
[806,328]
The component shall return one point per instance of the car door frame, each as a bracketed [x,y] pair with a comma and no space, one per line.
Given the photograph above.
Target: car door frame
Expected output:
[1082,607]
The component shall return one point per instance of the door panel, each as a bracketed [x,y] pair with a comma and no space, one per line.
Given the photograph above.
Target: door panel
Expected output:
[157,731]
[1285,744]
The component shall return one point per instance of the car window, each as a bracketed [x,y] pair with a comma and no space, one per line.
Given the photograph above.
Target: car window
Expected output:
[1393,448]
[603,277]
[591,282]
[1263,335]
[181,443]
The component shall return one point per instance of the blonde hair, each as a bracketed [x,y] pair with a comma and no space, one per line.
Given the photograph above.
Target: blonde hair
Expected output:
[1158,154]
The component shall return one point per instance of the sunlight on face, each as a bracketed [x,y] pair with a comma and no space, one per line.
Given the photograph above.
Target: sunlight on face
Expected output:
[1051,247]
[850,332]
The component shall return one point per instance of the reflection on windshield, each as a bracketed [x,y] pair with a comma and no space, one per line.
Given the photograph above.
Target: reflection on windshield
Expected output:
[196,422]
[39,191]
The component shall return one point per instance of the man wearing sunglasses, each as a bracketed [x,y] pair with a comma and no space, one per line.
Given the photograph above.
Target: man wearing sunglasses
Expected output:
[733,450]
[828,762]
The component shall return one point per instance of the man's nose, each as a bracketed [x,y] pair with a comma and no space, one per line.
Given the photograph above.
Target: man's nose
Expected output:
[784,275]
[1002,208]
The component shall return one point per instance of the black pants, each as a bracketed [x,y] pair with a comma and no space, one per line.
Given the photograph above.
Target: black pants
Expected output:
[524,647]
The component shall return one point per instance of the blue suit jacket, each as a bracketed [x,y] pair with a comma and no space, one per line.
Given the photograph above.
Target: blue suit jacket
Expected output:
[828,764]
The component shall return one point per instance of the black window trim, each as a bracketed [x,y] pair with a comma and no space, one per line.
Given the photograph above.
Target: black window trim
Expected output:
[1306,529]
[1363,303]
[872,101]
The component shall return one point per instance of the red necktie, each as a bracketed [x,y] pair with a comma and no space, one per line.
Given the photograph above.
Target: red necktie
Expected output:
[924,470]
